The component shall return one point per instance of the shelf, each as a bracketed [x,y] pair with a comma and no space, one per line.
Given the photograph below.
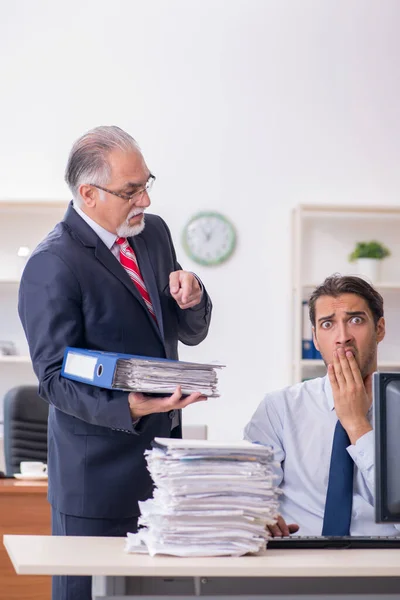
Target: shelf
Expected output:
[345,209]
[384,285]
[27,205]
[312,363]
[10,281]
[23,222]
[323,237]
[349,212]
[17,358]
[384,364]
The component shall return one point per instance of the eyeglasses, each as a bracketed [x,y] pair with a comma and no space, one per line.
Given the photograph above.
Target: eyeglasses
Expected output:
[128,197]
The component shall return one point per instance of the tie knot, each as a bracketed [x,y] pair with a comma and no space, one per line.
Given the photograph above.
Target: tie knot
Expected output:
[120,240]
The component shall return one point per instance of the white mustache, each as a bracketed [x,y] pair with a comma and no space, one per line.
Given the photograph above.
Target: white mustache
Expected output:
[135,212]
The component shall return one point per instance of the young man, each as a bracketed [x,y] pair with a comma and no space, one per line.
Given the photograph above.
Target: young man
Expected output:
[321,430]
[103,280]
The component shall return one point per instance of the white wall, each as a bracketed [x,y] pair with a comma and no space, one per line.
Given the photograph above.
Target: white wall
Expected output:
[244,106]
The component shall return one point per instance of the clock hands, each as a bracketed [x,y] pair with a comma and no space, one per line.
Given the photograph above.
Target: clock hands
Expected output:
[207,230]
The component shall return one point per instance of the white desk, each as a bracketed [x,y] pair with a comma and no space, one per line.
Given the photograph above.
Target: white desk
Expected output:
[291,572]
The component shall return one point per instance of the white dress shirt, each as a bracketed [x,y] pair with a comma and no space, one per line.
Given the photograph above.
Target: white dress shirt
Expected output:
[106,237]
[299,423]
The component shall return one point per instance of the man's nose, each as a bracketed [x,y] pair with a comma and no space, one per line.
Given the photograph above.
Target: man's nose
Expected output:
[343,335]
[144,200]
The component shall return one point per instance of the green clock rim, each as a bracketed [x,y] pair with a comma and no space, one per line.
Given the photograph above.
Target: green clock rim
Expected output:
[228,253]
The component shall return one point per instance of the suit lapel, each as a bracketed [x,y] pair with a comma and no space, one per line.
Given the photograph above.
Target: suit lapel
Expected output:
[139,246]
[90,239]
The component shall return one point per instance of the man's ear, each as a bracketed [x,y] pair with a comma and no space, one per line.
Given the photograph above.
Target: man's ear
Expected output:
[315,338]
[380,329]
[88,195]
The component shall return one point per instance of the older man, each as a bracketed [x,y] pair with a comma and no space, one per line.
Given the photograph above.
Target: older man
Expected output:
[103,280]
[321,430]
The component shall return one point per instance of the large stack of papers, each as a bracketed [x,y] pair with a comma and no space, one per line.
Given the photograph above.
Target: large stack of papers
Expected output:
[139,373]
[210,499]
[162,376]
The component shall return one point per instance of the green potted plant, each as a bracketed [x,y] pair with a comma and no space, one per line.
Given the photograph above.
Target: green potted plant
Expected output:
[368,255]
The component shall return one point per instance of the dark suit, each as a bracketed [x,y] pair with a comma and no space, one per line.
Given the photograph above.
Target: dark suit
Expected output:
[74,292]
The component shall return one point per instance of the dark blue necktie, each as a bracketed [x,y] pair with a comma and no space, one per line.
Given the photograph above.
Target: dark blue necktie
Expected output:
[339,497]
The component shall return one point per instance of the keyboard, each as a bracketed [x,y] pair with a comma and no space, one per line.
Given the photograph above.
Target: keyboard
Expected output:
[319,542]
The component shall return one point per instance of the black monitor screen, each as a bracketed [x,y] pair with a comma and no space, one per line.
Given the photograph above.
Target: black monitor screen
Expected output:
[386,390]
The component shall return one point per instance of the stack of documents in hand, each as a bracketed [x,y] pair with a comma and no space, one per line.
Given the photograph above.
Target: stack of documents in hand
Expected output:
[210,499]
[139,373]
[162,376]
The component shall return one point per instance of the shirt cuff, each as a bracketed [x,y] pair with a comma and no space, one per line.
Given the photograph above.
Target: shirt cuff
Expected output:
[200,284]
[362,452]
[200,305]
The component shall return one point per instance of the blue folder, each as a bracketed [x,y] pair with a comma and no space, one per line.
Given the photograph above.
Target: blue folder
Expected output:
[96,367]
[100,368]
[307,344]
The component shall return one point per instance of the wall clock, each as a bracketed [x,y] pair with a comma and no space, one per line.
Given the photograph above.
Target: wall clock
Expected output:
[209,238]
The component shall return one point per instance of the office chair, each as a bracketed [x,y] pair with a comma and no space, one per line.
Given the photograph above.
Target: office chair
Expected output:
[25,427]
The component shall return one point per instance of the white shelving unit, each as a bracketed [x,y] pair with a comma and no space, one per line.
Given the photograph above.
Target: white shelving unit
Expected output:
[22,223]
[323,238]
[15,359]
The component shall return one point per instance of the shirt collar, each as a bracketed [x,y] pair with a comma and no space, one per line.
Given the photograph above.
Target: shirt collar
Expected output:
[329,393]
[106,237]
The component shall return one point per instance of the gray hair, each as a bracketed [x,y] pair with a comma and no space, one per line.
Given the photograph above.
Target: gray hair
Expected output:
[88,159]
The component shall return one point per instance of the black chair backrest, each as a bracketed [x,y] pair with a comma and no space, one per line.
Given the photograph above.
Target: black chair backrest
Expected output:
[25,427]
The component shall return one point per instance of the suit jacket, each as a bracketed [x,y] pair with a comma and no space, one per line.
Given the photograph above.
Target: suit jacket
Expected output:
[74,292]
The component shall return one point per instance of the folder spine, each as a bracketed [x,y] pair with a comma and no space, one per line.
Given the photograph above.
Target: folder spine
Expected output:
[102,367]
[307,345]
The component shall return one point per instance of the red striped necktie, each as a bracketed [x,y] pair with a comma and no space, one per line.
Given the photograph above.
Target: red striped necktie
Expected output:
[128,260]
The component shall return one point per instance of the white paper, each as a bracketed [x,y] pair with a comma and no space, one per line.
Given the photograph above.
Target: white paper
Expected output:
[210,499]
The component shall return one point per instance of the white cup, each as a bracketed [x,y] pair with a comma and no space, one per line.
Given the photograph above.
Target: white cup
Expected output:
[30,467]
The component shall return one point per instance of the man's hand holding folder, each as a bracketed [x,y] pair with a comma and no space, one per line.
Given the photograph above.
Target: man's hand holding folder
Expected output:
[144,374]
[143,404]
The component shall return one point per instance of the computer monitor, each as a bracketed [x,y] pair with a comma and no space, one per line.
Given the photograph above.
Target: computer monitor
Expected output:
[386,390]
